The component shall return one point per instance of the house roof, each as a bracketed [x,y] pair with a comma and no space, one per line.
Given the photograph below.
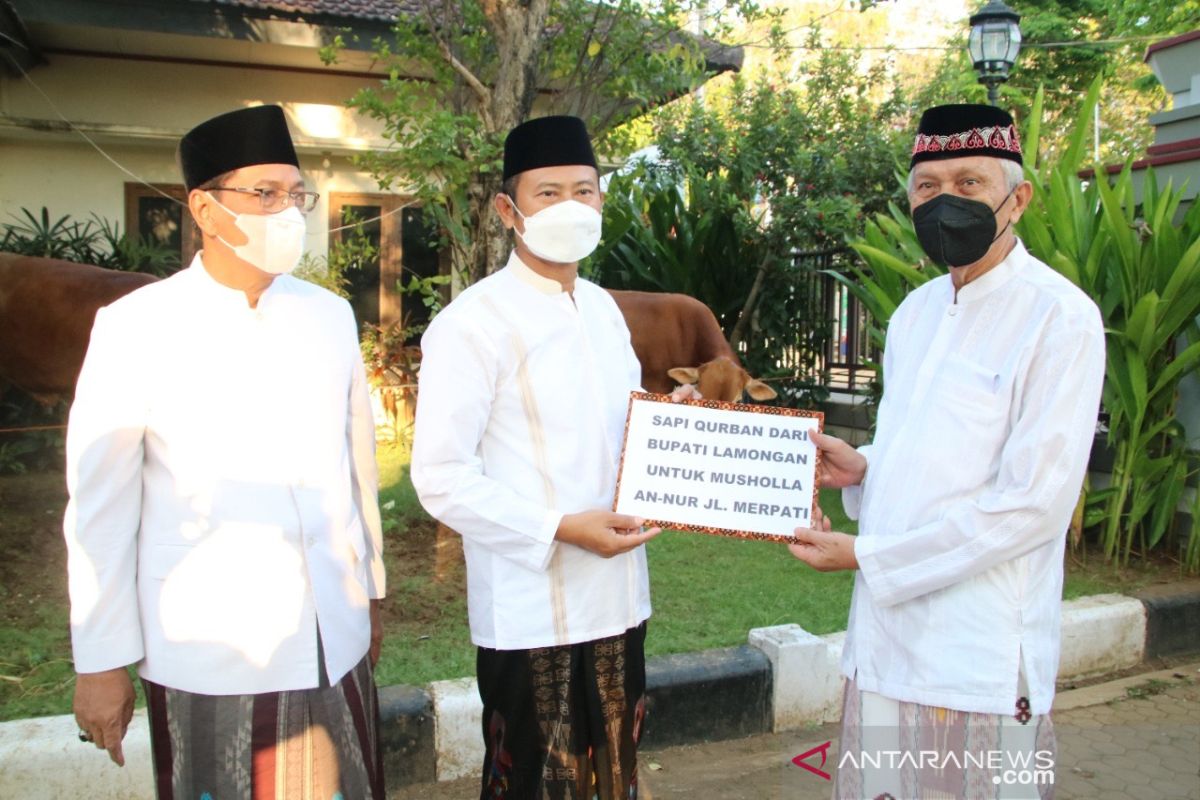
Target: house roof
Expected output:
[378,10]
[719,57]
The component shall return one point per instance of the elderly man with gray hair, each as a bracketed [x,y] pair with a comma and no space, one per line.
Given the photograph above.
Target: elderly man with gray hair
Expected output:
[993,376]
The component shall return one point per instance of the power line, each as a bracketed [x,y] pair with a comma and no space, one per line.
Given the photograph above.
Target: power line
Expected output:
[948,47]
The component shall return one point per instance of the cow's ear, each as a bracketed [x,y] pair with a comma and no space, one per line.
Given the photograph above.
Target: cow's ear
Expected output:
[759,390]
[682,375]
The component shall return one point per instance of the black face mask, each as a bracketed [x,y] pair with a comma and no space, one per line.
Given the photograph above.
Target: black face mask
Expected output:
[955,231]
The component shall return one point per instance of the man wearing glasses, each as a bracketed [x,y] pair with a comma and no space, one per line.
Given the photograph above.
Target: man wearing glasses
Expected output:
[223,530]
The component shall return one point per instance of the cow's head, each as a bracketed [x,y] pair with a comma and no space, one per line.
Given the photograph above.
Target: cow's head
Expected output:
[722,379]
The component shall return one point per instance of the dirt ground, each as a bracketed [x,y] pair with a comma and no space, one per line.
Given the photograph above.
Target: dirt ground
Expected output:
[33,564]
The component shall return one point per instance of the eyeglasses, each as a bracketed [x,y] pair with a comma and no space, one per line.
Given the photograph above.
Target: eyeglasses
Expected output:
[273,200]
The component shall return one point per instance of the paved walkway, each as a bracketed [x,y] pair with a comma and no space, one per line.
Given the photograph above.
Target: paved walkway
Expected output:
[1133,739]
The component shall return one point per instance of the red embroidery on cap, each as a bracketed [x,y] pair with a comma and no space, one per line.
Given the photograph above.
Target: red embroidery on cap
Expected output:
[993,138]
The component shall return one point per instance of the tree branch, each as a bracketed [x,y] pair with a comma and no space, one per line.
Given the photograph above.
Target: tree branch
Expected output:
[482,92]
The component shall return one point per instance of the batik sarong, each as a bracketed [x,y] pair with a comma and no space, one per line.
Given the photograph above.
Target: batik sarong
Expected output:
[311,744]
[893,750]
[563,723]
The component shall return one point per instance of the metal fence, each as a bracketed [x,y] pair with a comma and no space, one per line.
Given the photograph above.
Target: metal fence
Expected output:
[831,349]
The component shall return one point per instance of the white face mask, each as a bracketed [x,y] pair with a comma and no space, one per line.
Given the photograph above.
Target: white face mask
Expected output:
[563,233]
[274,243]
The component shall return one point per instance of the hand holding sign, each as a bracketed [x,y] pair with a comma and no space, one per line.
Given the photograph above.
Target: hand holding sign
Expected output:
[841,465]
[604,533]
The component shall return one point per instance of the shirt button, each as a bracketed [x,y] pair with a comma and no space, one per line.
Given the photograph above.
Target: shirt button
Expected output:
[953,310]
[258,315]
[311,541]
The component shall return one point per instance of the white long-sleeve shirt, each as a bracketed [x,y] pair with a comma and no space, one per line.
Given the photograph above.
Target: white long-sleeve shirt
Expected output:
[982,440]
[221,467]
[520,420]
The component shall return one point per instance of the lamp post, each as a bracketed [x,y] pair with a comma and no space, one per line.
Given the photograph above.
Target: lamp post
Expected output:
[993,44]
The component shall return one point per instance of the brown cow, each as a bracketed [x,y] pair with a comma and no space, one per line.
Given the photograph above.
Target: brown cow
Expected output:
[675,331]
[47,307]
[722,379]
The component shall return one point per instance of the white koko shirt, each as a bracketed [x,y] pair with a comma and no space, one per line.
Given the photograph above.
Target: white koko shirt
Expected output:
[221,466]
[982,440]
[520,419]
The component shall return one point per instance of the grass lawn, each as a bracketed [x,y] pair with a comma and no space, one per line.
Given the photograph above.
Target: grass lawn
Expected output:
[707,591]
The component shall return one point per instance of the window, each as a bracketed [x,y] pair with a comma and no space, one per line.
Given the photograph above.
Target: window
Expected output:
[404,240]
[162,220]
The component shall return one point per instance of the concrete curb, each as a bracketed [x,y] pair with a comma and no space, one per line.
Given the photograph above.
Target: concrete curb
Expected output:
[785,679]
[1173,619]
[707,696]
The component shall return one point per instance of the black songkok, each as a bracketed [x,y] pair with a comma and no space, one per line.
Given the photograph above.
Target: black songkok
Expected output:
[965,129]
[241,138]
[547,142]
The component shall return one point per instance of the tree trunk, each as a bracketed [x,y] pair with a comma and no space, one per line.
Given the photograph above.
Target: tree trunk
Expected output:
[490,248]
[518,28]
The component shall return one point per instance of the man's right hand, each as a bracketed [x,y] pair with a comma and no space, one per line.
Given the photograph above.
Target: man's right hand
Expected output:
[103,708]
[604,533]
[841,465]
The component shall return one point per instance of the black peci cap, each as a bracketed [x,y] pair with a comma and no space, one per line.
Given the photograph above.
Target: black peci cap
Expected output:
[241,138]
[547,142]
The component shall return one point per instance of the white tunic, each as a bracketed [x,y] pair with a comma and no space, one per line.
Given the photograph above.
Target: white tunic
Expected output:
[220,461]
[520,419]
[982,439]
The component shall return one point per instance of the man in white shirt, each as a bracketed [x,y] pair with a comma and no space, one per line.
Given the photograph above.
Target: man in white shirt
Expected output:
[223,531]
[992,379]
[524,387]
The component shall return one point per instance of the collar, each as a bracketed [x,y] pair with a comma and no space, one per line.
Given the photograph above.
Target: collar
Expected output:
[521,271]
[221,295]
[993,279]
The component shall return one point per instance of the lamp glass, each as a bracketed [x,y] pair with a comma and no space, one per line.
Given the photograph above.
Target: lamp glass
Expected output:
[994,42]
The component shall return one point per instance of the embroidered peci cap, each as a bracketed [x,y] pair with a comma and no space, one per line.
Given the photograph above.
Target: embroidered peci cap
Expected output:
[237,139]
[547,142]
[965,129]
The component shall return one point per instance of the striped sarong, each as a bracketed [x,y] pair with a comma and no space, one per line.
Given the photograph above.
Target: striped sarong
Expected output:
[309,744]
[893,750]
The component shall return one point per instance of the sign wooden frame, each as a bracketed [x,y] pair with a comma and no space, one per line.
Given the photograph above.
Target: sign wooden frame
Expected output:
[635,397]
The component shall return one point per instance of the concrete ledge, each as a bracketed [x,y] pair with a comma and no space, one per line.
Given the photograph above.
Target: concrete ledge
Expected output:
[1102,633]
[707,696]
[1172,620]
[406,735]
[807,682]
[458,737]
[43,759]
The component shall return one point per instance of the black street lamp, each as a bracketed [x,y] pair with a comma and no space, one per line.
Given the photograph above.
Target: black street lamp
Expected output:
[994,43]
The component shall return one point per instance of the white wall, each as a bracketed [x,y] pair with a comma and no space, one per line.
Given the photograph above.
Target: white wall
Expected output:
[136,111]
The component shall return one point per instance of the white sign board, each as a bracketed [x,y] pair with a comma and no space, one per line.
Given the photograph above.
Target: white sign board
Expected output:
[713,467]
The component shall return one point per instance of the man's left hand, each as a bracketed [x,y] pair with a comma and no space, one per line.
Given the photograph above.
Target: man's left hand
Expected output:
[376,633]
[824,550]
